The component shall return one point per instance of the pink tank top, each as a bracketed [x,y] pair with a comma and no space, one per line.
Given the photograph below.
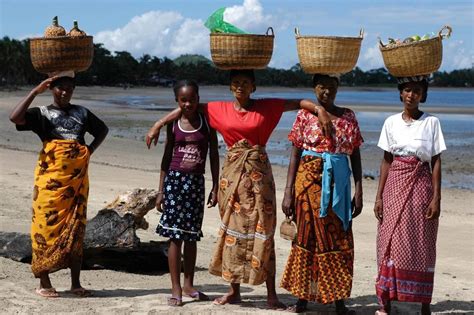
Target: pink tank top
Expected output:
[190,148]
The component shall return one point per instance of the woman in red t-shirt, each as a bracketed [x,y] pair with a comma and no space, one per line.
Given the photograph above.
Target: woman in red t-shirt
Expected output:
[245,247]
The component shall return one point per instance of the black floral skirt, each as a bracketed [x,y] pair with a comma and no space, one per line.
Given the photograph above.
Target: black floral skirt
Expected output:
[183,206]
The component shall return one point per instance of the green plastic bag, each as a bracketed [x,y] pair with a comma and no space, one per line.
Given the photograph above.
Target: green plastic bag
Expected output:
[217,24]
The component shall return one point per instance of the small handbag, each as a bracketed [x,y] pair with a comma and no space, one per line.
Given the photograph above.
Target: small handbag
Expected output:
[288,230]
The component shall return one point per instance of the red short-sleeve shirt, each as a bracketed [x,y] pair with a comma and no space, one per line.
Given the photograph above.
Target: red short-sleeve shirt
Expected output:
[255,125]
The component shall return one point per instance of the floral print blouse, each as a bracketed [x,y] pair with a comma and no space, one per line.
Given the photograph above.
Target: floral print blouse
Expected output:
[307,133]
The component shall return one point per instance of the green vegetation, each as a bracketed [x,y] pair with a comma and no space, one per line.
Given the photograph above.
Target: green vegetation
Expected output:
[121,68]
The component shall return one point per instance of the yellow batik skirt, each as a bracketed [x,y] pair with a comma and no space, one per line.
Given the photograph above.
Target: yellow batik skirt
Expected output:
[59,209]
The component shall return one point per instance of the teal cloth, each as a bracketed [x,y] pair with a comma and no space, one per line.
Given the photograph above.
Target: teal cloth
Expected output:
[335,170]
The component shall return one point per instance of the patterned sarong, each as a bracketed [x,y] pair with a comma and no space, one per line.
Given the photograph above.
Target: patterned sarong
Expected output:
[320,265]
[59,205]
[406,240]
[245,247]
[183,206]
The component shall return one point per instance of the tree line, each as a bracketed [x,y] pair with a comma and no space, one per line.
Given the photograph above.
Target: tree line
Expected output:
[120,68]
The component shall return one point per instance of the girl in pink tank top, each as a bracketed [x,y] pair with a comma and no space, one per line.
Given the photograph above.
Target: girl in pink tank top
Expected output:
[181,192]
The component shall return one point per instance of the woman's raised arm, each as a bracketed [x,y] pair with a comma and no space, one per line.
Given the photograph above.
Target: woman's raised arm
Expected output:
[17,116]
[318,110]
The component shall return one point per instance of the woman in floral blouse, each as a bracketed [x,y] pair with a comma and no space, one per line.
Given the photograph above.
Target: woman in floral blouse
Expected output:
[318,197]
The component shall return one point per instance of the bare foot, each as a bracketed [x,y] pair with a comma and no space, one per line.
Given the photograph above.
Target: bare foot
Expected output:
[81,292]
[227,299]
[275,304]
[197,296]
[299,307]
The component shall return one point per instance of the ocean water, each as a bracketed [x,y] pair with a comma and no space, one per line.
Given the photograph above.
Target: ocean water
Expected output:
[437,97]
[458,128]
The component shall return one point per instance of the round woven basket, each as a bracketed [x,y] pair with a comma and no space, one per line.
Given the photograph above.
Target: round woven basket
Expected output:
[241,51]
[328,54]
[61,53]
[416,58]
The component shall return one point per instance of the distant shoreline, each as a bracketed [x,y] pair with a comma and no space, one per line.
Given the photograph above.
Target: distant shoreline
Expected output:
[163,99]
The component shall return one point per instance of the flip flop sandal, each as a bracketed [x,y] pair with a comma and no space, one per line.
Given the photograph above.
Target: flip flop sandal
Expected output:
[47,292]
[198,296]
[175,301]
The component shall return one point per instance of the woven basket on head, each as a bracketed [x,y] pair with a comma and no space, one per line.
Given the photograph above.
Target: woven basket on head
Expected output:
[61,53]
[328,54]
[241,51]
[416,58]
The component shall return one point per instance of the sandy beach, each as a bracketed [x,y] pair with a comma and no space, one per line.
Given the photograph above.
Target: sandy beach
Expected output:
[123,163]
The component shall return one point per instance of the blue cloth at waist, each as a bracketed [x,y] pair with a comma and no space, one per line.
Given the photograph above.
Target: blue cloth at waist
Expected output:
[335,170]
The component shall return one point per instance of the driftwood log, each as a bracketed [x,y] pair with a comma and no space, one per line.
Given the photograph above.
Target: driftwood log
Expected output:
[110,241]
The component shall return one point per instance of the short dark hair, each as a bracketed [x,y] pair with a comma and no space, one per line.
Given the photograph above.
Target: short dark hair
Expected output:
[321,77]
[424,86]
[246,72]
[62,80]
[183,83]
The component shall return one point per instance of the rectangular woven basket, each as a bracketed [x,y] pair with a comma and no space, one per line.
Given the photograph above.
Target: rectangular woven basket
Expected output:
[416,58]
[241,51]
[61,53]
[328,54]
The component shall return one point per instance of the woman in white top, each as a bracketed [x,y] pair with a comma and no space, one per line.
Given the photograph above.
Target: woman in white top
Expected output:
[408,198]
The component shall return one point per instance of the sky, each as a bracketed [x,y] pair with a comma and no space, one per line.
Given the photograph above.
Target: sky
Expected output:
[174,27]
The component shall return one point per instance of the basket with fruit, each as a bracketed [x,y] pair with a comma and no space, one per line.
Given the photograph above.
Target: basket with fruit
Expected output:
[414,55]
[61,51]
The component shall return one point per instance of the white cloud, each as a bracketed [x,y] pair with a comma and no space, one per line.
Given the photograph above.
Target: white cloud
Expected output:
[248,16]
[191,37]
[456,56]
[158,33]
[370,57]
[168,33]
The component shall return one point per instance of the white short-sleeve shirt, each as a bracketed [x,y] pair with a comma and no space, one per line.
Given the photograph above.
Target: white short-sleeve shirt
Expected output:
[422,138]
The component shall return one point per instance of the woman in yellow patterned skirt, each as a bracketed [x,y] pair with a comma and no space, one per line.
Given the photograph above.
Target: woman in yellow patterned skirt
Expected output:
[318,197]
[61,183]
